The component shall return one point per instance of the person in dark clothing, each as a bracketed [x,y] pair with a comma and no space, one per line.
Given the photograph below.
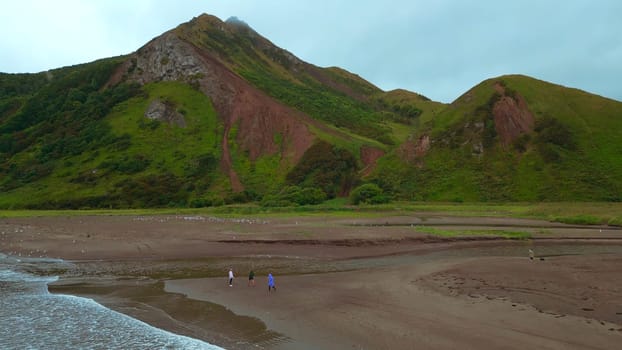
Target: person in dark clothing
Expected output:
[251,279]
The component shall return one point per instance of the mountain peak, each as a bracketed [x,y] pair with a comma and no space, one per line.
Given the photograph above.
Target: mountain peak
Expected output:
[205,22]
[233,20]
[202,21]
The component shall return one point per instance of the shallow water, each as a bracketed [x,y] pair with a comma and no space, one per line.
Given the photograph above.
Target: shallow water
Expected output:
[32,318]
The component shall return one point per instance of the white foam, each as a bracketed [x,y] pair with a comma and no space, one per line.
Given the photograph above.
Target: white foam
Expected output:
[20,277]
[31,318]
[69,322]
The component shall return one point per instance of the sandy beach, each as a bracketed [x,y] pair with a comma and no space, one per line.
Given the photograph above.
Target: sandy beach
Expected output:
[342,283]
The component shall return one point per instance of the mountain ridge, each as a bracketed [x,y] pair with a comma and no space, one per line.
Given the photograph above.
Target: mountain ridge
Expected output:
[211,112]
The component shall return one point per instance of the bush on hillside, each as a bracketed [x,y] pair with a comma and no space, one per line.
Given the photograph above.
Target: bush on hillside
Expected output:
[294,195]
[553,139]
[326,167]
[152,191]
[368,194]
[127,165]
[553,131]
[208,201]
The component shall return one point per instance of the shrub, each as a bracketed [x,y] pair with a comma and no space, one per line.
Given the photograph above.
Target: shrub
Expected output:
[369,194]
[151,191]
[553,139]
[199,166]
[294,195]
[127,165]
[552,131]
[521,143]
[326,167]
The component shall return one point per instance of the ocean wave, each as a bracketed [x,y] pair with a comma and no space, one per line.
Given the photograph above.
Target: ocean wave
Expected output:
[32,318]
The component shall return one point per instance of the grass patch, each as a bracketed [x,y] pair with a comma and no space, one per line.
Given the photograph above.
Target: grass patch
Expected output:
[579,220]
[589,213]
[617,221]
[474,233]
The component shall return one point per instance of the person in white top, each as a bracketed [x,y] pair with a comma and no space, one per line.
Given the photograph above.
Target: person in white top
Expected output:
[230,277]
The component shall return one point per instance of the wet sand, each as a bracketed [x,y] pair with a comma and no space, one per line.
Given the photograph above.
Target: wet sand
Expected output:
[341,282]
[391,308]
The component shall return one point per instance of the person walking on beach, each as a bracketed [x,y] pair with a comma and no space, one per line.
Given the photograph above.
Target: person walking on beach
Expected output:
[251,278]
[230,277]
[271,283]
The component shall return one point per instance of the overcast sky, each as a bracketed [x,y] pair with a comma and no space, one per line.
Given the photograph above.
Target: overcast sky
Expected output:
[438,48]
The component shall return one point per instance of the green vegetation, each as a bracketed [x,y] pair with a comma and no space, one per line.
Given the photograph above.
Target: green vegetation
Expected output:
[332,95]
[15,85]
[354,82]
[261,176]
[368,194]
[120,159]
[327,168]
[567,157]
[71,139]
[579,220]
[458,233]
[405,107]
[293,196]
[603,212]
[64,118]
[321,103]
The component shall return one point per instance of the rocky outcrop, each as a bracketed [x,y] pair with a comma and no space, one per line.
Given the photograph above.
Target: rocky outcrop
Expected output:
[413,150]
[167,58]
[511,115]
[165,112]
[423,146]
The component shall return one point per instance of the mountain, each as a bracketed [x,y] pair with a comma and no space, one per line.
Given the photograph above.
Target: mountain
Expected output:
[513,138]
[211,112]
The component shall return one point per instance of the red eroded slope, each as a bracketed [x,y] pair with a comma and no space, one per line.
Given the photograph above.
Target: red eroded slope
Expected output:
[257,117]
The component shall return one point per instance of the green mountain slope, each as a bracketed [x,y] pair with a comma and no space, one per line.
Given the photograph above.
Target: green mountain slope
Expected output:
[81,136]
[514,138]
[331,95]
[211,112]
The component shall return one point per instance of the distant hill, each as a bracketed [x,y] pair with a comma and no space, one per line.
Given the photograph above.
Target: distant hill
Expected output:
[512,138]
[211,112]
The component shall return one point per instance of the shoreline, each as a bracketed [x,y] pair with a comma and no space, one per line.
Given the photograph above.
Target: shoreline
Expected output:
[340,286]
[334,310]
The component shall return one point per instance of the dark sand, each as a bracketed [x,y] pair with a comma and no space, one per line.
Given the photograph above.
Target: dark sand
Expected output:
[341,283]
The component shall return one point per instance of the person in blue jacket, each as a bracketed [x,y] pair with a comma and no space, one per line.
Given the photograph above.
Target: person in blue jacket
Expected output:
[271,285]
